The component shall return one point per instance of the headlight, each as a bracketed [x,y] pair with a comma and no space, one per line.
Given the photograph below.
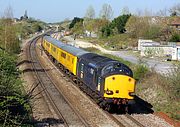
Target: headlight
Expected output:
[109,92]
[131,93]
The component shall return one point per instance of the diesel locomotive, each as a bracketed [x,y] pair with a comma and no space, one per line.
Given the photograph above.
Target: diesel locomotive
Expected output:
[109,81]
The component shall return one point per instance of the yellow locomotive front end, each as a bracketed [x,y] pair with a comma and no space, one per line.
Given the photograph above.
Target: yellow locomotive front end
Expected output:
[119,87]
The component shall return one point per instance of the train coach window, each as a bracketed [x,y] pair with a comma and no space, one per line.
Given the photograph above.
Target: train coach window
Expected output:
[54,49]
[68,58]
[48,45]
[72,60]
[63,55]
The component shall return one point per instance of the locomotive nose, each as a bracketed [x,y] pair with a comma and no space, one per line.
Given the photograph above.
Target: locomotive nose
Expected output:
[119,86]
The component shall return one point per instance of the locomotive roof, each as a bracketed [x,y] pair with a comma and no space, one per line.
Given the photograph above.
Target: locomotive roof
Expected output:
[100,62]
[70,49]
[54,41]
[96,60]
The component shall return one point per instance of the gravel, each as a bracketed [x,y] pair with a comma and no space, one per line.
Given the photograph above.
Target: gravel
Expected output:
[151,120]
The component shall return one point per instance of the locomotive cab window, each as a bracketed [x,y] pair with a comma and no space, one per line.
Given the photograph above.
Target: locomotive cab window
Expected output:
[116,68]
[107,69]
[127,71]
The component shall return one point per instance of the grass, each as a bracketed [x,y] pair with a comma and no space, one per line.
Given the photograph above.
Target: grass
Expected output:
[162,92]
[115,42]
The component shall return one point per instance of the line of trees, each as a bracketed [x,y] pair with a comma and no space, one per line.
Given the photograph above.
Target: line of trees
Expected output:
[139,25]
[8,33]
[11,33]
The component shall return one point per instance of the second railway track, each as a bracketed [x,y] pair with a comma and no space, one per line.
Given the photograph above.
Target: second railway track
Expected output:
[68,116]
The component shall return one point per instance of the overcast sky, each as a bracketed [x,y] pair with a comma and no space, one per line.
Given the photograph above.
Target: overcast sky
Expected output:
[58,10]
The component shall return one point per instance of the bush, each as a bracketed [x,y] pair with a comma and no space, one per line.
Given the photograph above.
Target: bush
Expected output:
[74,21]
[140,72]
[14,105]
[175,38]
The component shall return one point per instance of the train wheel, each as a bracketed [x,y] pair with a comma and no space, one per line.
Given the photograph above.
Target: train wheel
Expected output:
[108,107]
[126,109]
[102,105]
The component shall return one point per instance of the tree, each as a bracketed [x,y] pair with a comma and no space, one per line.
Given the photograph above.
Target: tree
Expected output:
[90,13]
[107,30]
[106,12]
[8,32]
[175,10]
[175,37]
[8,13]
[144,27]
[120,23]
[162,13]
[136,26]
[37,27]
[78,28]
[125,11]
[90,25]
[99,24]
[74,21]
[117,25]
[14,105]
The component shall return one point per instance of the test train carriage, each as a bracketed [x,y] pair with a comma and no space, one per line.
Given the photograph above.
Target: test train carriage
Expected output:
[107,80]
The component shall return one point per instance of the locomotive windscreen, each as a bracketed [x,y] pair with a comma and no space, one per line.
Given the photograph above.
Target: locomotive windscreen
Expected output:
[117,68]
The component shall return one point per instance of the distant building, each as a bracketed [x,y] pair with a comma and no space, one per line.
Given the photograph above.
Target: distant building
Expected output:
[142,43]
[176,53]
[175,23]
[156,50]
[25,17]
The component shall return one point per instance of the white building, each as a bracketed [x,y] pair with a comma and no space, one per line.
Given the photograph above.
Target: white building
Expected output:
[154,50]
[161,50]
[142,43]
[176,53]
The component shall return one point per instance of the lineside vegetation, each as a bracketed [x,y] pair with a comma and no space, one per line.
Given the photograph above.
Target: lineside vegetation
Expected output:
[162,91]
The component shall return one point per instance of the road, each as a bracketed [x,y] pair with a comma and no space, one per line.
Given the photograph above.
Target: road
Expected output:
[162,67]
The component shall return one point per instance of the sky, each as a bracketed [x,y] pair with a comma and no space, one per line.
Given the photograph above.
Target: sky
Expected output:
[58,10]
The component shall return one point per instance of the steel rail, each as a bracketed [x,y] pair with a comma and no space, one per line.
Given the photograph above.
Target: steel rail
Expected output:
[42,85]
[49,96]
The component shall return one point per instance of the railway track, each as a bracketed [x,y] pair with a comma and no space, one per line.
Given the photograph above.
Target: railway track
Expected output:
[122,120]
[127,120]
[68,116]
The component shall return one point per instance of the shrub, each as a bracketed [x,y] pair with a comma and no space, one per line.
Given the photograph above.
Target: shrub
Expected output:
[175,38]
[14,106]
[140,72]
